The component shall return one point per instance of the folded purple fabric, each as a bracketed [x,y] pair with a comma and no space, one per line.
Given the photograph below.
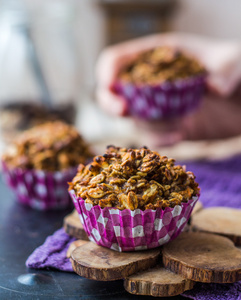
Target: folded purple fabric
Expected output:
[220,183]
[214,291]
[52,254]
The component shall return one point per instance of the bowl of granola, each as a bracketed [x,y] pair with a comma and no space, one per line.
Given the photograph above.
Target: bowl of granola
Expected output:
[38,165]
[162,83]
[133,199]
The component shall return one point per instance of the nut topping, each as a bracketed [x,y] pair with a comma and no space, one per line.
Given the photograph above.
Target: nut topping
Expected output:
[134,178]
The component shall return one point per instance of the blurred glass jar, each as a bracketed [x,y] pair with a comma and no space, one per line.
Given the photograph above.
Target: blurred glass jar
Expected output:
[39,68]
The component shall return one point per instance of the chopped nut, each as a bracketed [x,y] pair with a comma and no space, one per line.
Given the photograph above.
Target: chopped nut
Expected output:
[96,193]
[88,200]
[132,200]
[150,193]
[117,181]
[141,183]
[105,203]
[124,200]
[98,179]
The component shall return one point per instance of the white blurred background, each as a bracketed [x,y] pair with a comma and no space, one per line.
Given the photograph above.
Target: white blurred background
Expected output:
[67,37]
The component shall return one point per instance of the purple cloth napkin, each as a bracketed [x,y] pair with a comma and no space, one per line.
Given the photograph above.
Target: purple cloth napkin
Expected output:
[211,291]
[220,183]
[52,254]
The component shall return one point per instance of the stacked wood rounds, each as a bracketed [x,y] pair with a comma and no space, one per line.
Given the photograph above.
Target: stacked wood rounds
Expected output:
[195,256]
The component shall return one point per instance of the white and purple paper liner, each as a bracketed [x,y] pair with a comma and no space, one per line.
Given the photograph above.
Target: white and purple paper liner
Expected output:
[163,101]
[40,189]
[126,230]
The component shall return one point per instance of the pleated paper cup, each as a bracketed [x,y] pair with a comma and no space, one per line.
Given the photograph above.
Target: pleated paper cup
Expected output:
[164,100]
[39,189]
[126,230]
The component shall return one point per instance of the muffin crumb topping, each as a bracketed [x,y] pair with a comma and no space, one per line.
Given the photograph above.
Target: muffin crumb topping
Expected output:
[51,146]
[161,64]
[133,178]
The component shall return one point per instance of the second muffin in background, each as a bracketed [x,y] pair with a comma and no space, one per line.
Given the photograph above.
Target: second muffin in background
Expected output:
[133,199]
[41,161]
[161,83]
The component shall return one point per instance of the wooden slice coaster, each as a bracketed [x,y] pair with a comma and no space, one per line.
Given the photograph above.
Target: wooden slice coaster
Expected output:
[157,282]
[220,220]
[198,206]
[98,263]
[73,226]
[203,257]
[75,245]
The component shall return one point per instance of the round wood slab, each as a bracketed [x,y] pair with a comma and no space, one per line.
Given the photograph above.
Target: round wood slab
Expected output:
[73,226]
[203,257]
[198,206]
[98,263]
[75,245]
[220,220]
[157,282]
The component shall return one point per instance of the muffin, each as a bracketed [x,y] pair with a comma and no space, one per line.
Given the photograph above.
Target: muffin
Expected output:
[161,83]
[38,165]
[15,117]
[133,199]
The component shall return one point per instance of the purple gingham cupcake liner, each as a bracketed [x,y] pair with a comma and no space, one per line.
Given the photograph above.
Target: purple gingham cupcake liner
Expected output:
[126,230]
[39,189]
[166,100]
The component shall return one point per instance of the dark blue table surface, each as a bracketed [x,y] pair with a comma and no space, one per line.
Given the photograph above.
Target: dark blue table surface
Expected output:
[21,231]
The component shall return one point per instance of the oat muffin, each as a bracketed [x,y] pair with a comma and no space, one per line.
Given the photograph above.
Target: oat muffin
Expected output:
[53,146]
[41,162]
[134,178]
[15,117]
[161,83]
[133,199]
[160,65]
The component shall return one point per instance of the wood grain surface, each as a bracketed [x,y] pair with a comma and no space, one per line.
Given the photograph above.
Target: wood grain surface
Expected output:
[75,245]
[157,282]
[73,226]
[198,206]
[203,257]
[98,263]
[220,220]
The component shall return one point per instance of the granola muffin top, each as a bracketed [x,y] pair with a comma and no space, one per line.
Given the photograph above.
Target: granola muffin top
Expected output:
[159,65]
[52,146]
[133,178]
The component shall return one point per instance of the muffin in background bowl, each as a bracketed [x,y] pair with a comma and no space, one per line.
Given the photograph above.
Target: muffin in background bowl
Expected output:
[38,165]
[133,199]
[162,83]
